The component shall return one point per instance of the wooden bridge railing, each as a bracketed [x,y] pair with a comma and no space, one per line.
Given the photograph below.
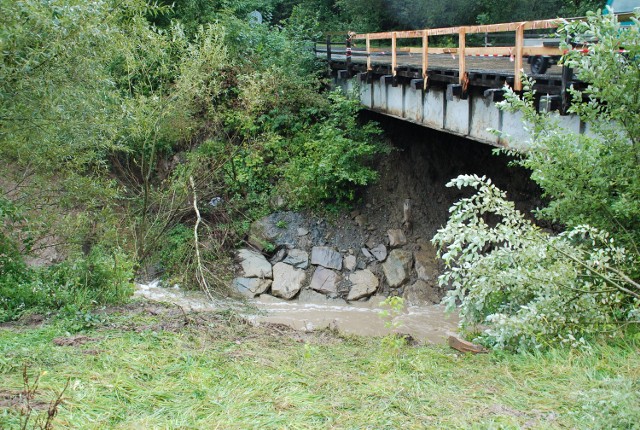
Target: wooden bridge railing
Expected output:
[516,52]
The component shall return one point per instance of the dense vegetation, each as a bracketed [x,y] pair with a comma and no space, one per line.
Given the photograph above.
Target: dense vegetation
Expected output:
[115,116]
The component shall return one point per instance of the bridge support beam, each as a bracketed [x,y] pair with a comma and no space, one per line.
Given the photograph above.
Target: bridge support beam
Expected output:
[445,109]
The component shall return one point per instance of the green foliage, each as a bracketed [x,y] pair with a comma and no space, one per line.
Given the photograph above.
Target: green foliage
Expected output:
[396,307]
[106,117]
[592,178]
[530,289]
[102,277]
[493,11]
[329,160]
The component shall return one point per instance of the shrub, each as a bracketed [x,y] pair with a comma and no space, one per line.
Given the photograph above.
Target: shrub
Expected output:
[101,277]
[527,288]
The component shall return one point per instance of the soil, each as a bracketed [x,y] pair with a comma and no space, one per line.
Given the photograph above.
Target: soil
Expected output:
[422,163]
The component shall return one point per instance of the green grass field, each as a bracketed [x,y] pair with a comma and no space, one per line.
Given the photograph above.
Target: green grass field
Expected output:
[147,366]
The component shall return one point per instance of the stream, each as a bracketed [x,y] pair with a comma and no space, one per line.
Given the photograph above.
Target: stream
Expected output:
[424,323]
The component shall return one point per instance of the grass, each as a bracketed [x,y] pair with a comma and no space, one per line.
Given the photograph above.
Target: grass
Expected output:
[149,366]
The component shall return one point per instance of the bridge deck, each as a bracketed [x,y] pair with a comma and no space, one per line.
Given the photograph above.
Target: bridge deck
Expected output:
[483,71]
[462,64]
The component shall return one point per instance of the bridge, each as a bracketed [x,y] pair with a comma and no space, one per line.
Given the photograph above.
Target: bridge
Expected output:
[410,75]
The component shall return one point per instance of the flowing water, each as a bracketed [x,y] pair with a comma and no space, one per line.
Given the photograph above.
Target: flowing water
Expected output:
[423,323]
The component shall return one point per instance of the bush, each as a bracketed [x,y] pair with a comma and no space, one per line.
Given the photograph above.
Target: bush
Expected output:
[529,289]
[82,282]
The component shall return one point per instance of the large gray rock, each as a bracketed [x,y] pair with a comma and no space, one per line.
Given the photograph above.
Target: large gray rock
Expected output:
[396,238]
[287,280]
[364,283]
[297,258]
[421,293]
[263,233]
[380,252]
[325,281]
[251,287]
[254,265]
[426,265]
[396,268]
[327,257]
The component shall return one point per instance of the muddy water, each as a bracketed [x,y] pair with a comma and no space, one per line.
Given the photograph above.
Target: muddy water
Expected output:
[423,323]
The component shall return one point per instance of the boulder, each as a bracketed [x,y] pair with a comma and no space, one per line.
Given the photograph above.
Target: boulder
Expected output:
[297,258]
[349,262]
[327,257]
[269,299]
[254,265]
[251,287]
[421,293]
[364,283]
[302,231]
[396,268]
[287,281]
[379,252]
[426,265]
[325,281]
[396,238]
[263,233]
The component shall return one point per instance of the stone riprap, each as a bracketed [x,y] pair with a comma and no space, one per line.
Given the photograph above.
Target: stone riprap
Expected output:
[325,281]
[397,266]
[313,263]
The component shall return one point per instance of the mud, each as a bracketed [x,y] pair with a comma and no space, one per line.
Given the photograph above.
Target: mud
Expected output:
[423,323]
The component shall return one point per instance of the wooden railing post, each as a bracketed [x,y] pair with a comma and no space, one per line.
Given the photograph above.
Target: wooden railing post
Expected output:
[394,53]
[461,48]
[517,83]
[425,58]
[348,54]
[368,53]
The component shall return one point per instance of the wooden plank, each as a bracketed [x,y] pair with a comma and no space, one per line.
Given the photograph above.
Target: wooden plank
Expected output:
[471,29]
[517,84]
[368,53]
[425,59]
[462,41]
[394,54]
[541,50]
[489,51]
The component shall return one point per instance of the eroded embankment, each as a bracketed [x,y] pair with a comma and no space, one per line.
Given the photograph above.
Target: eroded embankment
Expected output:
[310,272]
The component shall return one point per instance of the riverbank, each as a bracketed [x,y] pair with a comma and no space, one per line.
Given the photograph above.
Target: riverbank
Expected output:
[148,365]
